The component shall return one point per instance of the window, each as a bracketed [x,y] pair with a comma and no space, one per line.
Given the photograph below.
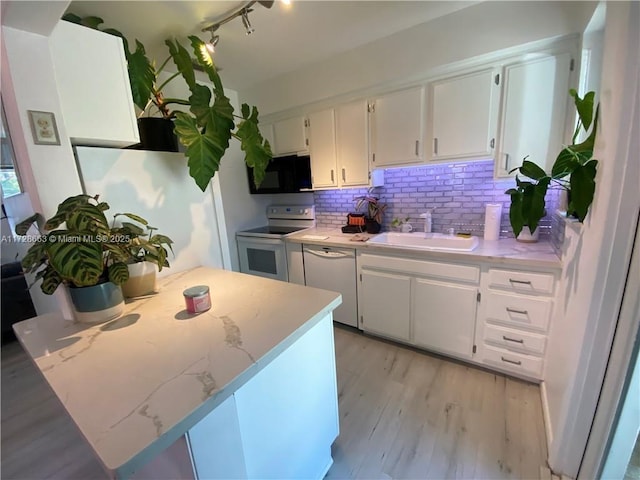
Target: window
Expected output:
[9,177]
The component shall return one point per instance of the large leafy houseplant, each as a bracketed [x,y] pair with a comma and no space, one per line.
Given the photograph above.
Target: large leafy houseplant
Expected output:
[88,251]
[574,161]
[211,123]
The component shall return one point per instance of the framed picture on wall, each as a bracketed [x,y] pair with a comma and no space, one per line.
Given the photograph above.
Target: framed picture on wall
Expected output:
[43,128]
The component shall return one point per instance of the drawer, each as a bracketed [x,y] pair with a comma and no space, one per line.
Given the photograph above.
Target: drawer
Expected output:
[515,340]
[519,311]
[522,282]
[513,362]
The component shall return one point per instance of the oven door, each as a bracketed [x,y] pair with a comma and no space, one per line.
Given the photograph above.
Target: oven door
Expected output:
[265,257]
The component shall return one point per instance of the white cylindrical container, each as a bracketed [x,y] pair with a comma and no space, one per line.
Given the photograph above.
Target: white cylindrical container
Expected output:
[492,216]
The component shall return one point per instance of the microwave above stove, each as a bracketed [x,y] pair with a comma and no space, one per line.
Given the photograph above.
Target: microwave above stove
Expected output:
[290,174]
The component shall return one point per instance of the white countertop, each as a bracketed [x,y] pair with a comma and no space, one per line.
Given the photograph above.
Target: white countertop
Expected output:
[136,384]
[505,251]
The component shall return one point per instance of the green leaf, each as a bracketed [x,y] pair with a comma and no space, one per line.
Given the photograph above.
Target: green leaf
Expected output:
[89,219]
[35,257]
[91,22]
[66,209]
[23,227]
[584,106]
[132,228]
[72,17]
[182,60]
[159,239]
[206,62]
[103,206]
[515,211]
[118,273]
[565,163]
[532,170]
[535,210]
[200,102]
[134,217]
[257,150]
[583,186]
[77,261]
[50,281]
[142,75]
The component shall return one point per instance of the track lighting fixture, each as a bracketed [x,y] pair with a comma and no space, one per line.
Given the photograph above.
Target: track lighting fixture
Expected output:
[245,21]
[243,12]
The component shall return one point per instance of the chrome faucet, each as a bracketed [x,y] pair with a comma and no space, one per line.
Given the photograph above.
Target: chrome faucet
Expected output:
[427,220]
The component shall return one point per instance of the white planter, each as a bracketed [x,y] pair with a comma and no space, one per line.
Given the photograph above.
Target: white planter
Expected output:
[526,236]
[142,280]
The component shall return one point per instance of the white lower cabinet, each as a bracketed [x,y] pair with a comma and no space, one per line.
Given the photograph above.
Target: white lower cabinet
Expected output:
[513,320]
[444,316]
[384,300]
[428,304]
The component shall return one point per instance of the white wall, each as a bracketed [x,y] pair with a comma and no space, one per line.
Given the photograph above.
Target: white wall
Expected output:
[407,55]
[596,254]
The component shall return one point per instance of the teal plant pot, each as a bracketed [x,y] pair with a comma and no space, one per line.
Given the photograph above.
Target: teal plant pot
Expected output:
[98,303]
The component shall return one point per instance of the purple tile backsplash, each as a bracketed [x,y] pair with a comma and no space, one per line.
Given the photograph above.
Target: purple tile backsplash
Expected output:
[458,193]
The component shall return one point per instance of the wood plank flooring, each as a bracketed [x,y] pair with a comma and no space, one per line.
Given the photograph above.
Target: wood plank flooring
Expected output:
[403,414]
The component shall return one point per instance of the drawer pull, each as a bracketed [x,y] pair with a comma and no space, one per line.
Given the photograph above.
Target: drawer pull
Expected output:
[512,339]
[523,282]
[513,310]
[514,362]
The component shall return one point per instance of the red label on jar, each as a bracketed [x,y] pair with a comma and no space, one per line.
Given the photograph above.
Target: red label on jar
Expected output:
[200,303]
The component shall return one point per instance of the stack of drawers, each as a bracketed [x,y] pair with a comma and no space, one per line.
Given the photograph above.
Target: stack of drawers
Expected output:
[515,312]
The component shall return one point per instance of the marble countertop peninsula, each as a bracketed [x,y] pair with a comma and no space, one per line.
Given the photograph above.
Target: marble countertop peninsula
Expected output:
[505,251]
[136,384]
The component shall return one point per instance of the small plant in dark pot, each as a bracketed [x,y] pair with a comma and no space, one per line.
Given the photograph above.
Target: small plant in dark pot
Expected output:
[88,256]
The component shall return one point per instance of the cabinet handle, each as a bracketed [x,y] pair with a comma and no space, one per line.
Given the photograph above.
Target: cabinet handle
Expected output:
[332,175]
[514,362]
[435,146]
[417,146]
[344,175]
[506,162]
[513,310]
[507,339]
[492,143]
[523,282]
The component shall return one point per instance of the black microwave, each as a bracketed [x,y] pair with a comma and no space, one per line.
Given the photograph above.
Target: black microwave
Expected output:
[290,174]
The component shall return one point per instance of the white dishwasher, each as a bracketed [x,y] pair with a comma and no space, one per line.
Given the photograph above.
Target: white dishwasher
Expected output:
[334,269]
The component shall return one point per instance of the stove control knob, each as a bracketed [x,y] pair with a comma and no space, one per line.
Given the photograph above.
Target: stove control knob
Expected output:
[274,210]
[300,211]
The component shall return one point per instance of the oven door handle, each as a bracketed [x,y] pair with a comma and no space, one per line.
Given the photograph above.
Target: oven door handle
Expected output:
[259,240]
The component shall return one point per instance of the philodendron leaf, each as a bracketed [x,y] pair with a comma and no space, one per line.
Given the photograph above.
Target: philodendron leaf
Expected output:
[206,62]
[182,60]
[584,106]
[515,211]
[257,150]
[77,261]
[583,186]
[536,208]
[142,75]
[23,227]
[118,273]
[565,163]
[532,170]
[200,101]
[91,22]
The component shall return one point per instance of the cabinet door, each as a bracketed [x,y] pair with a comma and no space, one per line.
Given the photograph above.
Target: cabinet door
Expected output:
[463,116]
[322,148]
[290,136]
[444,317]
[384,300]
[396,128]
[534,112]
[352,144]
[93,84]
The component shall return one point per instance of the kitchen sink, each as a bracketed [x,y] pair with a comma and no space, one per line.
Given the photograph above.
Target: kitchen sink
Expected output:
[427,241]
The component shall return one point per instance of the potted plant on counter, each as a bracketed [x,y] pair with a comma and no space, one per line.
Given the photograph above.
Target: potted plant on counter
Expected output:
[574,161]
[374,211]
[88,256]
[148,255]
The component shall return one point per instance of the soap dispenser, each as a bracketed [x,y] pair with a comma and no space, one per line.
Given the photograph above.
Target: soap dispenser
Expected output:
[427,220]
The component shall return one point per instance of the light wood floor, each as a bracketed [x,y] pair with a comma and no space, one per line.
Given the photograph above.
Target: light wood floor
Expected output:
[403,414]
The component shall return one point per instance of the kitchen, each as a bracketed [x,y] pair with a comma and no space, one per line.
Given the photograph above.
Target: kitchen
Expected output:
[292,94]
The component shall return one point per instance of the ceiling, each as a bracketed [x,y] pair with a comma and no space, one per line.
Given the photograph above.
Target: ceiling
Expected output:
[286,37]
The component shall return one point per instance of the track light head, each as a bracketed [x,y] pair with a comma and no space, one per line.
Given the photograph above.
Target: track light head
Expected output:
[245,21]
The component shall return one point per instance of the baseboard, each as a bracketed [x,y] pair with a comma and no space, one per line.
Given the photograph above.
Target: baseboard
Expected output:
[545,415]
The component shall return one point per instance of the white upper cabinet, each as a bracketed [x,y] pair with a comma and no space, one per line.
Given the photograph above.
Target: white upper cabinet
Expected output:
[290,136]
[322,148]
[93,84]
[266,129]
[397,128]
[352,144]
[534,107]
[463,116]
